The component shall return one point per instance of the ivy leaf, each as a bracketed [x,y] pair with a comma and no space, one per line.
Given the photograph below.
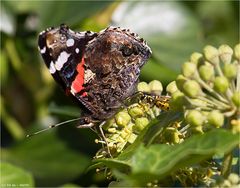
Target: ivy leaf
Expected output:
[147,136]
[71,111]
[47,156]
[60,12]
[158,161]
[13,176]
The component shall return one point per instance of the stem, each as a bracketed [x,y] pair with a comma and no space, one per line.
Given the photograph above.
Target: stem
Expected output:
[216,103]
[227,164]
[197,104]
[230,113]
[232,86]
[209,89]
[238,77]
[12,125]
[218,69]
[13,54]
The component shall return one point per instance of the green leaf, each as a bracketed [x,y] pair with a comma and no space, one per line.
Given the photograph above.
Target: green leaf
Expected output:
[155,70]
[51,160]
[13,176]
[158,161]
[70,185]
[4,68]
[169,28]
[7,20]
[163,120]
[220,25]
[54,13]
[147,136]
[64,110]
[69,12]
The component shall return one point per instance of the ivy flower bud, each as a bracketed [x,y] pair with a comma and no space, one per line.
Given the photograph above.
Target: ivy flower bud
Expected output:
[140,124]
[234,178]
[206,72]
[155,87]
[132,138]
[225,53]
[198,130]
[125,133]
[143,86]
[180,81]
[171,87]
[122,119]
[237,52]
[191,88]
[112,130]
[235,123]
[196,57]
[172,135]
[177,100]
[188,69]
[221,84]
[226,183]
[236,98]
[195,118]
[135,111]
[215,118]
[211,54]
[230,71]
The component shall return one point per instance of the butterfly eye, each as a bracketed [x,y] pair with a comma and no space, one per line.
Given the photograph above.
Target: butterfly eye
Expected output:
[126,51]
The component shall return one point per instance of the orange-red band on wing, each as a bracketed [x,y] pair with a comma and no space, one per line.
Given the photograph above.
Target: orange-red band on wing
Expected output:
[77,84]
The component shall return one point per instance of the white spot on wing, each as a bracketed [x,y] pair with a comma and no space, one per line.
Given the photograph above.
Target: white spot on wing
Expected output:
[88,75]
[43,50]
[70,42]
[77,50]
[62,58]
[81,34]
[52,68]
[73,91]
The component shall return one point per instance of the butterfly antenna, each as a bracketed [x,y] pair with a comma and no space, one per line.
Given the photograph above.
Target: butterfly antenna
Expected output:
[52,126]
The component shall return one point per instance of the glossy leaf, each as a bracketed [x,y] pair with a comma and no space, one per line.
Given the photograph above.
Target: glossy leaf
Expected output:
[13,176]
[160,160]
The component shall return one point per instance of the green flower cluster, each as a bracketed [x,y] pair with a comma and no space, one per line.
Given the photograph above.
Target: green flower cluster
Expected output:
[208,90]
[233,180]
[126,125]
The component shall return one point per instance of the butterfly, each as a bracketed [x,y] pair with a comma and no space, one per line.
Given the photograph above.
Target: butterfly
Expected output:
[98,69]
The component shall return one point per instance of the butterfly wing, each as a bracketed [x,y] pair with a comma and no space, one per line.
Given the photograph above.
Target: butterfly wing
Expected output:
[62,50]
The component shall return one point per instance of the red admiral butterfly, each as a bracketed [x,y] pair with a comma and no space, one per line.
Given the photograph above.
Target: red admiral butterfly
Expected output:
[100,70]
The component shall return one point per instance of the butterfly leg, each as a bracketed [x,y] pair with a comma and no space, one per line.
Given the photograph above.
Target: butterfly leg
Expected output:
[87,122]
[104,138]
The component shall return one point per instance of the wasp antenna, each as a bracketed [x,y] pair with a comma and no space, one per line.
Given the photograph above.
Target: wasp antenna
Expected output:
[52,126]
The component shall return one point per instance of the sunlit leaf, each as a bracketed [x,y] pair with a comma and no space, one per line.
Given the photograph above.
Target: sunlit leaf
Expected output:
[13,176]
[160,160]
[7,24]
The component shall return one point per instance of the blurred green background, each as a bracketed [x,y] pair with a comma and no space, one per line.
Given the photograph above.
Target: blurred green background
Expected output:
[31,100]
